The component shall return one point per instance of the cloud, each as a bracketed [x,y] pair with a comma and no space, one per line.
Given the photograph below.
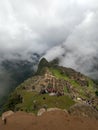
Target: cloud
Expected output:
[30,25]
[51,28]
[80,47]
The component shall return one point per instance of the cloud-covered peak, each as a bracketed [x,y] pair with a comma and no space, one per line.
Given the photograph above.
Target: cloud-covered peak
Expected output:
[66,29]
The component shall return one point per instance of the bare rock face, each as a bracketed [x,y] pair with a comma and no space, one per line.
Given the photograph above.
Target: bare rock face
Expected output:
[65,111]
[7,114]
[53,109]
[41,111]
[83,110]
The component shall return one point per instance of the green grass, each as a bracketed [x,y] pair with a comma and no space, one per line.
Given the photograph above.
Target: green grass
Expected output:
[81,90]
[65,90]
[91,87]
[33,101]
[57,74]
[74,83]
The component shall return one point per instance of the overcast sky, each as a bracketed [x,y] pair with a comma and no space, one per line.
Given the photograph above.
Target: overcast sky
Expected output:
[67,29]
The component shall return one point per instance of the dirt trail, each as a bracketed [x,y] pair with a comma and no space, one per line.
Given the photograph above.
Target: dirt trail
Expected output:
[54,120]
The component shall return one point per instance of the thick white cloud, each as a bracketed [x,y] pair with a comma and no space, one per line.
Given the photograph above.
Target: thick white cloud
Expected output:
[66,29]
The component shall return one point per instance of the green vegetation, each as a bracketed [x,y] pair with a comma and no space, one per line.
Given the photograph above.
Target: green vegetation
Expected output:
[58,74]
[83,91]
[67,81]
[65,90]
[33,101]
[74,83]
[14,99]
[91,87]
[96,93]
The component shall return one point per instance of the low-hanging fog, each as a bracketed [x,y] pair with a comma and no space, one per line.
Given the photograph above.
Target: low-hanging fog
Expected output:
[64,29]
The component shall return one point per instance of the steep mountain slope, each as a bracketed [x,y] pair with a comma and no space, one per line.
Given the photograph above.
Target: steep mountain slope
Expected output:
[13,72]
[53,86]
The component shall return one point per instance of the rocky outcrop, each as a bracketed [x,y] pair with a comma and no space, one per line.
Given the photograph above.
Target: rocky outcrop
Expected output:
[41,111]
[7,114]
[83,110]
[53,109]
[46,82]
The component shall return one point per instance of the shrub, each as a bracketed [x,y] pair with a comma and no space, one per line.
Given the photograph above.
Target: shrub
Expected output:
[96,93]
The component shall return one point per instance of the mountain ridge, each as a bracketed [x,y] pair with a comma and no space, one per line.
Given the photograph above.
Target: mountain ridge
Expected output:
[53,86]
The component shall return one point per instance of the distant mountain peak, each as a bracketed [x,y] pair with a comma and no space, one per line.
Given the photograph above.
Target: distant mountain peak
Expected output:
[42,64]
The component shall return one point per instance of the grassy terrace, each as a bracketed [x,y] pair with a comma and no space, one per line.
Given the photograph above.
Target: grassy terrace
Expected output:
[59,75]
[77,86]
[33,101]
